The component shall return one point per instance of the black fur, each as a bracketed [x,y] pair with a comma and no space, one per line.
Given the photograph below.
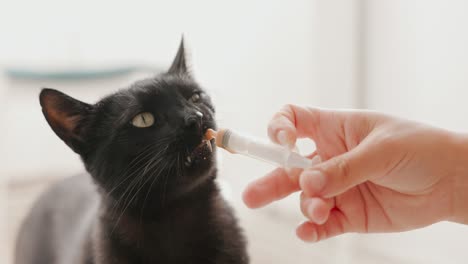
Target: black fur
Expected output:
[144,202]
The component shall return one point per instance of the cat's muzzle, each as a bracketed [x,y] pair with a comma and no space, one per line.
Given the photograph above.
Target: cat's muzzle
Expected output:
[201,153]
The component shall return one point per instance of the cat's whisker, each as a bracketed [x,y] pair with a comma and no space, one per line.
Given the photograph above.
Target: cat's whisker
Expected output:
[156,155]
[127,191]
[133,183]
[125,208]
[164,190]
[146,153]
[149,190]
[136,193]
[129,187]
[148,150]
[149,166]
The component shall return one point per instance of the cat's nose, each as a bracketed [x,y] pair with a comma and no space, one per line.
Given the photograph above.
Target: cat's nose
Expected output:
[194,121]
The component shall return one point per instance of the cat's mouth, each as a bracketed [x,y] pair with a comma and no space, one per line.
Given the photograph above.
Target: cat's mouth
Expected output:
[200,153]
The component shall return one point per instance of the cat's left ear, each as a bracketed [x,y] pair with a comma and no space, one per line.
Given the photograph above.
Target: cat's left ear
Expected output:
[67,117]
[180,64]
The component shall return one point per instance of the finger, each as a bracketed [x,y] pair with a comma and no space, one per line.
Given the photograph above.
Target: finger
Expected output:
[334,226]
[336,175]
[273,186]
[293,173]
[316,209]
[292,122]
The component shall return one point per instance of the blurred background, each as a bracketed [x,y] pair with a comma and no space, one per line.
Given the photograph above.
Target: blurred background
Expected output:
[404,57]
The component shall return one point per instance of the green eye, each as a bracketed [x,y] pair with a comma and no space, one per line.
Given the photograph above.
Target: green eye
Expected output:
[195,97]
[143,120]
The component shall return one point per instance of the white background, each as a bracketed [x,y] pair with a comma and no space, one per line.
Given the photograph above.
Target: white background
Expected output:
[407,58]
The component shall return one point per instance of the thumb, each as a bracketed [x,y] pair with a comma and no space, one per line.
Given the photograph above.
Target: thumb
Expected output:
[340,173]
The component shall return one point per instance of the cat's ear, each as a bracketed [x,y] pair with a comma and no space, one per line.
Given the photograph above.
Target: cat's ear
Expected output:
[67,116]
[180,64]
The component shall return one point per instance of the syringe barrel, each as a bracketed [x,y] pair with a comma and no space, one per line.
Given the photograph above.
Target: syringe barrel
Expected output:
[263,150]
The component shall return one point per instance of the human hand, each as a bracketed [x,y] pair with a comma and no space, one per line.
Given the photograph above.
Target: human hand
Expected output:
[379,173]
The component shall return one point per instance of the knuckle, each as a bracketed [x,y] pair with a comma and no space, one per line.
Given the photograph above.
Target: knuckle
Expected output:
[279,190]
[271,131]
[287,111]
[313,111]
[287,108]
[388,141]
[293,175]
[284,112]
[274,125]
[343,168]
[275,117]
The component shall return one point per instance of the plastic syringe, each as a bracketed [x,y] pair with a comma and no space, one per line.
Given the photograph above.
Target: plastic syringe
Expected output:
[260,149]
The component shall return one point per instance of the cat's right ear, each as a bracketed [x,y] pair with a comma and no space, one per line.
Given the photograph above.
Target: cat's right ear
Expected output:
[180,63]
[67,116]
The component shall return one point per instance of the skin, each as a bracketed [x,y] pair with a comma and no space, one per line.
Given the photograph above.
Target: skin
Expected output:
[378,173]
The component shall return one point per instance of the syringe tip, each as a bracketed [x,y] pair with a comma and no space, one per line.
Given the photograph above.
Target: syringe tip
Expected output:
[210,134]
[217,135]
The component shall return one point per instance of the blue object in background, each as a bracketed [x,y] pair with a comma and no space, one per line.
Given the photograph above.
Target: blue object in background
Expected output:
[76,74]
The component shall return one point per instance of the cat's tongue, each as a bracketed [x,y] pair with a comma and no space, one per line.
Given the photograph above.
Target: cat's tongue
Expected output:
[210,134]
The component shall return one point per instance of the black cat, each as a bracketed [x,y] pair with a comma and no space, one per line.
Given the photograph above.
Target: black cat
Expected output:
[150,196]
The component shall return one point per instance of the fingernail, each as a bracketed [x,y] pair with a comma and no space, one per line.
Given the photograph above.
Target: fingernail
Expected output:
[312,182]
[310,209]
[312,213]
[312,238]
[282,138]
[305,234]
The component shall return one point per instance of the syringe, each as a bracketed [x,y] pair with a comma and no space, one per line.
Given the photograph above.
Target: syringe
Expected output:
[259,149]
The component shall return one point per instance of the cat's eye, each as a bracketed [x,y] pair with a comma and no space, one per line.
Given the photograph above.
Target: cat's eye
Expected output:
[195,97]
[143,120]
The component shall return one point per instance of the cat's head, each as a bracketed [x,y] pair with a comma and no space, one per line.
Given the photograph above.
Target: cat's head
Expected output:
[144,140]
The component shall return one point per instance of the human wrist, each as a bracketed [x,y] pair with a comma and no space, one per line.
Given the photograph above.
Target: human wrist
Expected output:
[459,178]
